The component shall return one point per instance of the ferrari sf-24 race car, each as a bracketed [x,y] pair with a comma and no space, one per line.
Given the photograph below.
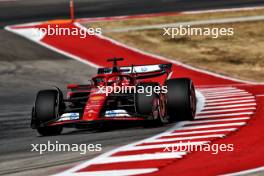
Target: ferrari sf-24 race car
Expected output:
[99,102]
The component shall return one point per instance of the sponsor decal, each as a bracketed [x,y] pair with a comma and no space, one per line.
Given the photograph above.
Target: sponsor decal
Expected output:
[94,105]
[116,113]
[97,98]
[141,69]
[91,111]
[69,116]
[144,69]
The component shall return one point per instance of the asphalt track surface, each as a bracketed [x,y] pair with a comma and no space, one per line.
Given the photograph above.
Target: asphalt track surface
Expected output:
[25,68]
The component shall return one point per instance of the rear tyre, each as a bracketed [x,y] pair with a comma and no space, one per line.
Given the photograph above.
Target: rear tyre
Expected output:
[181,99]
[148,104]
[47,106]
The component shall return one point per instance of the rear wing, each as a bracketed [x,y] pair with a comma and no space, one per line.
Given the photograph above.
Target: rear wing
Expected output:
[146,68]
[149,71]
[140,69]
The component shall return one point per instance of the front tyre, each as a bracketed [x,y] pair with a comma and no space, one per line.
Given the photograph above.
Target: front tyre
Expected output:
[47,108]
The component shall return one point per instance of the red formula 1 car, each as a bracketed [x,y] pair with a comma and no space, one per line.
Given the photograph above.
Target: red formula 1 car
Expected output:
[116,94]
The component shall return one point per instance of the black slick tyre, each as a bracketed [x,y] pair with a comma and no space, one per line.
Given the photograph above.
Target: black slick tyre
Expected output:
[46,109]
[181,99]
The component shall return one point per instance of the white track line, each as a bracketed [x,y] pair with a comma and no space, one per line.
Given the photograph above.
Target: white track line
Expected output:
[141,157]
[226,95]
[218,120]
[224,115]
[223,92]
[217,89]
[119,172]
[212,126]
[187,138]
[201,132]
[230,106]
[229,99]
[230,102]
[226,110]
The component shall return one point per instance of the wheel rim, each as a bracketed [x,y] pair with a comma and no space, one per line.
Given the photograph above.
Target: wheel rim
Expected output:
[155,108]
[162,108]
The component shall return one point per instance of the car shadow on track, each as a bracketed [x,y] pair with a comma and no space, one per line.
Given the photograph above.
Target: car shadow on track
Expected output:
[112,127]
